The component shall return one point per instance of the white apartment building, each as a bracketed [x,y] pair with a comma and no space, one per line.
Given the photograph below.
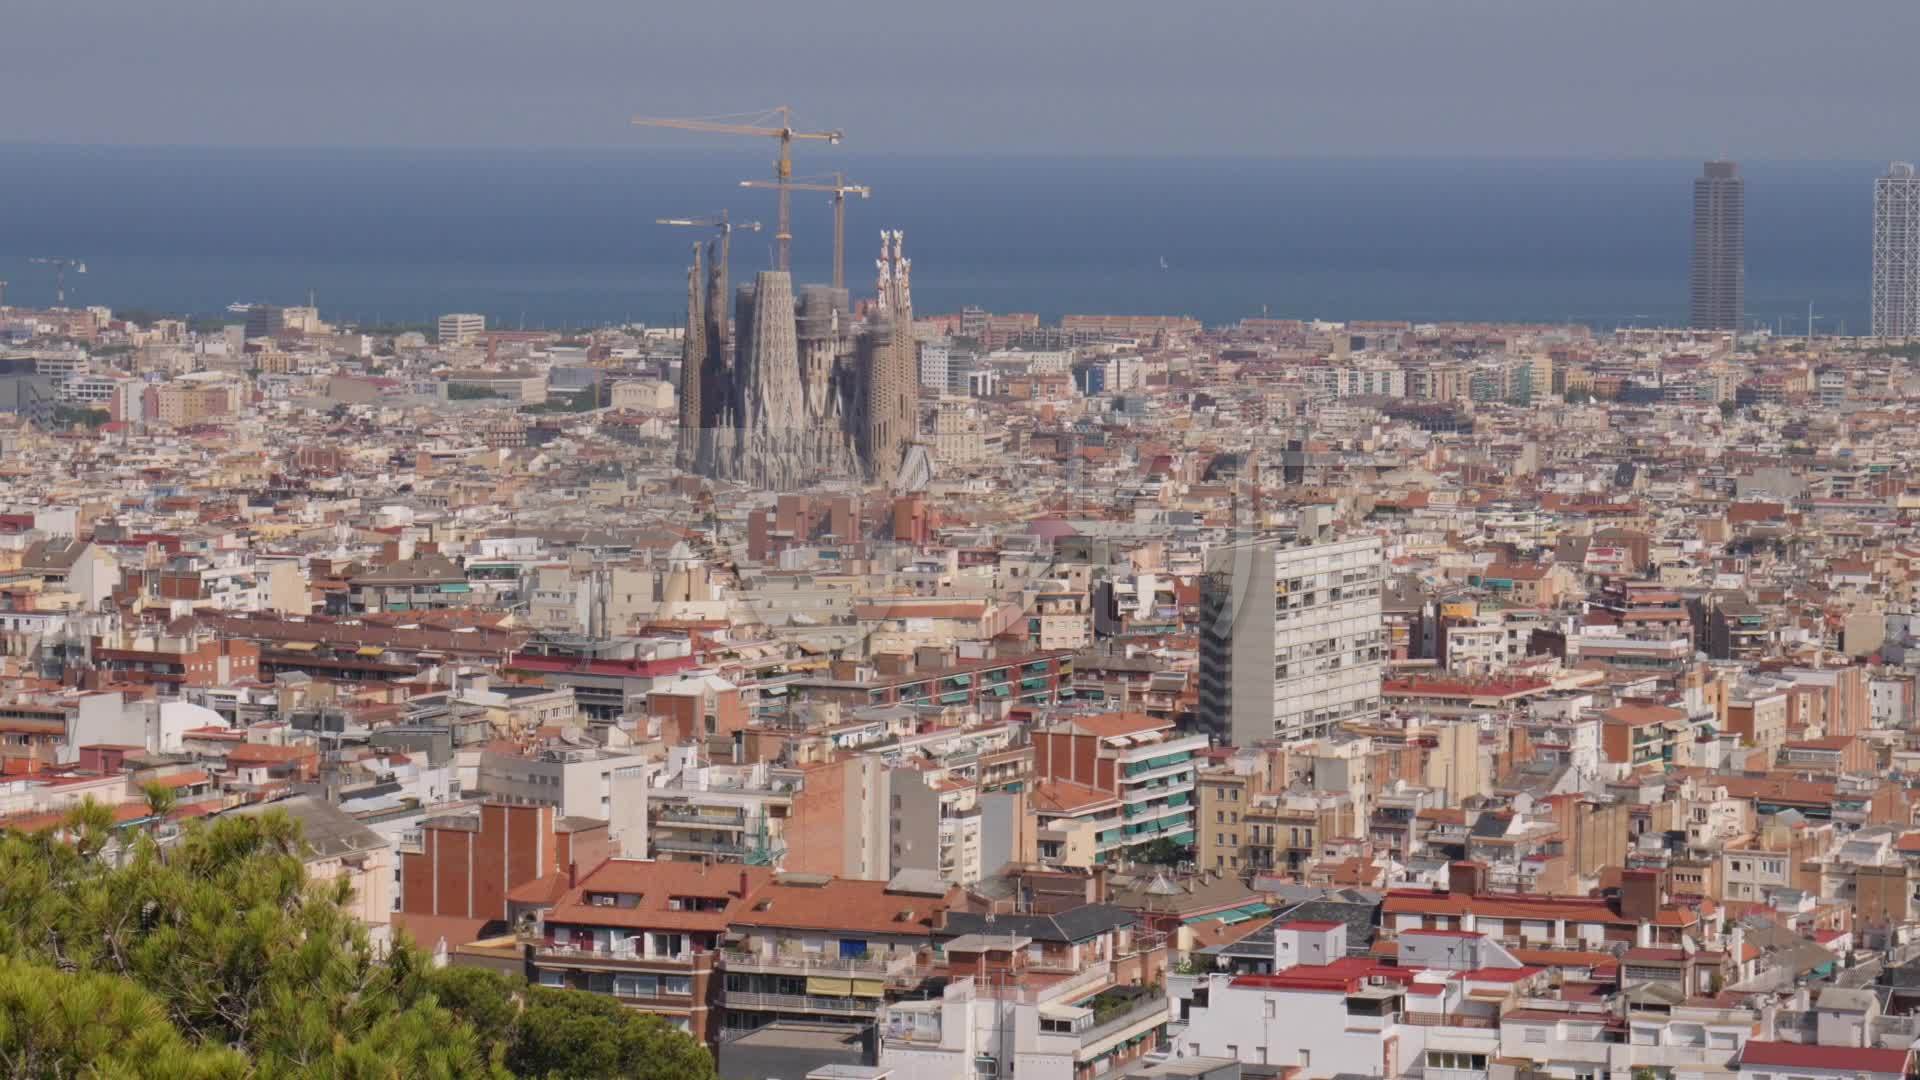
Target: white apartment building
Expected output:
[460,329]
[935,363]
[1012,1014]
[1291,639]
[1435,1014]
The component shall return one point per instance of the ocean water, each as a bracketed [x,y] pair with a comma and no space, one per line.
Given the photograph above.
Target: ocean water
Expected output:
[565,238]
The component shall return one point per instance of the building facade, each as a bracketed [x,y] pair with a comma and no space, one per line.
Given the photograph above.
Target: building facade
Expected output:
[1718,279]
[1291,639]
[1896,252]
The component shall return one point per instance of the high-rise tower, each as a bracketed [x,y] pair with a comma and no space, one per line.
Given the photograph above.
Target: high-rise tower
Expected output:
[892,377]
[1718,278]
[1291,638]
[1896,253]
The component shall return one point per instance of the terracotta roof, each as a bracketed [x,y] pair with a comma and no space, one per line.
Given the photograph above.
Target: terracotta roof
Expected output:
[1065,797]
[839,904]
[655,883]
[1110,725]
[1825,1058]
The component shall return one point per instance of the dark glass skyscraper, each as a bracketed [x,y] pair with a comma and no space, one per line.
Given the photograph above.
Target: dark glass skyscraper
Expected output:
[1719,277]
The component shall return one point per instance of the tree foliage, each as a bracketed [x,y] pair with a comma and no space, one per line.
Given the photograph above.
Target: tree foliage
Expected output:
[217,956]
[544,1032]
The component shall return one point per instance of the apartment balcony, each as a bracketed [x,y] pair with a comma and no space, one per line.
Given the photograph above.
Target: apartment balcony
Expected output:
[412,841]
[1132,775]
[796,962]
[1361,1022]
[836,1006]
[712,819]
[699,847]
[620,954]
[1144,1016]
[1452,1020]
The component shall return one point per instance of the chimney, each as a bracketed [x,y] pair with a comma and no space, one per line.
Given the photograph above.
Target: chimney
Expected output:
[743,884]
[1639,894]
[573,874]
[1466,878]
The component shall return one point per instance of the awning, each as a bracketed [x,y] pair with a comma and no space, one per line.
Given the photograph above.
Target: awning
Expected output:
[300,646]
[869,988]
[828,986]
[370,650]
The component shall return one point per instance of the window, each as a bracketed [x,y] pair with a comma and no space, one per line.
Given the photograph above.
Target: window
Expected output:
[1536,1035]
[1271,1006]
[551,977]
[677,984]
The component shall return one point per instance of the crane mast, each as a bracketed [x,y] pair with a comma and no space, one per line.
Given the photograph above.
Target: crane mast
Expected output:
[840,190]
[775,123]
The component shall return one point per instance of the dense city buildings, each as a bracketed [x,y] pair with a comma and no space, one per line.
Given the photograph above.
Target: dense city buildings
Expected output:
[1896,252]
[1718,278]
[873,692]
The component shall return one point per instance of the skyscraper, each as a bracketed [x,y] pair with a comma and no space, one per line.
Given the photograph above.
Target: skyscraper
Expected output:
[1718,279]
[1291,639]
[1896,253]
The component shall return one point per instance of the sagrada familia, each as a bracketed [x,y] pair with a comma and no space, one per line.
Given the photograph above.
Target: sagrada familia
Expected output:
[794,392]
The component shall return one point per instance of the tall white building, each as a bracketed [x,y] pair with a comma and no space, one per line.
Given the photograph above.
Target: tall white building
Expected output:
[934,357]
[1896,252]
[459,329]
[1291,641]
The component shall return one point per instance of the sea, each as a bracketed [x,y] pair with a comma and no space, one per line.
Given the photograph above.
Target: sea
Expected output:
[566,238]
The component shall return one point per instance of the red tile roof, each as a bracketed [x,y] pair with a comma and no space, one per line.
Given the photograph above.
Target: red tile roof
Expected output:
[1828,1058]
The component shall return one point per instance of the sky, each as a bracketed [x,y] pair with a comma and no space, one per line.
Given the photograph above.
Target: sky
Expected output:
[1284,78]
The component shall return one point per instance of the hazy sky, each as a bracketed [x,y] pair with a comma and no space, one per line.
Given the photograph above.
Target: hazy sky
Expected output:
[1644,78]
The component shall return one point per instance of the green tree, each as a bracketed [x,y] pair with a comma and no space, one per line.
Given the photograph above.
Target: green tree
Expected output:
[225,929]
[1162,852]
[539,1031]
[55,1025]
[218,956]
[569,1033]
[161,800]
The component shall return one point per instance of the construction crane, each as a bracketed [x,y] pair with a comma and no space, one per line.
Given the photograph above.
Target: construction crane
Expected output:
[60,265]
[840,189]
[720,225]
[759,124]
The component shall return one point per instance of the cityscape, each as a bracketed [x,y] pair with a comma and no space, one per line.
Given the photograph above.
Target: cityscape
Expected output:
[817,684]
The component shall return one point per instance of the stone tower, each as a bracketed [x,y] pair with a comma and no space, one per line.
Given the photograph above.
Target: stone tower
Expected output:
[774,450]
[892,381]
[693,363]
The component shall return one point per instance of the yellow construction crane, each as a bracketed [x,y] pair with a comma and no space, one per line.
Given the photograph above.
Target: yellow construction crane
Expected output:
[774,123]
[720,225]
[840,189]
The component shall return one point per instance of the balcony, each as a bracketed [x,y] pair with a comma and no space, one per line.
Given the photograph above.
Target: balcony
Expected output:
[839,1006]
[802,963]
[620,952]
[690,815]
[725,849]
[1453,1020]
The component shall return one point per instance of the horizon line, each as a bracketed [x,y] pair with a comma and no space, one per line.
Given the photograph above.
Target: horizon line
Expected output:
[983,154]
